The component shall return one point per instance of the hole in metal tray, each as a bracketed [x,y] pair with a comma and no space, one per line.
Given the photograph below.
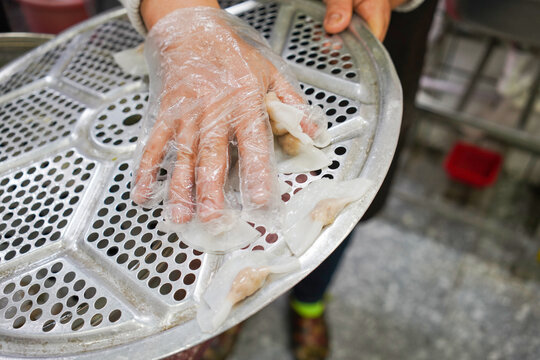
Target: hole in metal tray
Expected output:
[132,120]
[127,235]
[60,299]
[37,202]
[32,121]
[308,40]
[93,67]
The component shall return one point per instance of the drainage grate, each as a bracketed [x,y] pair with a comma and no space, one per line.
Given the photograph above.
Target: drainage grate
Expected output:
[29,122]
[35,70]
[93,67]
[309,45]
[262,18]
[57,298]
[119,123]
[125,235]
[37,202]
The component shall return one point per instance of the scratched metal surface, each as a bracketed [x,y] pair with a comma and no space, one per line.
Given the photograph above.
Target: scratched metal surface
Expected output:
[86,273]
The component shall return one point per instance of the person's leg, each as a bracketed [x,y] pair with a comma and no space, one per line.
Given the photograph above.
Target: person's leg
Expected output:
[406,43]
[312,288]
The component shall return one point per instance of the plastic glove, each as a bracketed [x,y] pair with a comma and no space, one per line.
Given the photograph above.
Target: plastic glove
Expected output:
[209,73]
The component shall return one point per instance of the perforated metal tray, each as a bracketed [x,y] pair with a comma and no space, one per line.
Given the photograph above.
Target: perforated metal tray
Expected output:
[83,271]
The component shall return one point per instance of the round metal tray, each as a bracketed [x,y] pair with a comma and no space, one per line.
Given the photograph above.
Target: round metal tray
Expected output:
[14,45]
[83,271]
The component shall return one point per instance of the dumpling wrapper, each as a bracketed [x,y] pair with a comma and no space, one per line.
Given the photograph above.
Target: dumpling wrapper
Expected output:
[287,119]
[238,278]
[227,233]
[132,61]
[309,158]
[316,206]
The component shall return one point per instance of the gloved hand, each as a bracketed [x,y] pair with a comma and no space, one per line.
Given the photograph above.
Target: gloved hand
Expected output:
[209,73]
[375,12]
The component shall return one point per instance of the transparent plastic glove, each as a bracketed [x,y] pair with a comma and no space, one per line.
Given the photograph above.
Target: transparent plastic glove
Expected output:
[209,74]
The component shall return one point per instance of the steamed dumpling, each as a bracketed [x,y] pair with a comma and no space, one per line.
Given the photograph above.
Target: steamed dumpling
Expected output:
[295,150]
[240,277]
[316,206]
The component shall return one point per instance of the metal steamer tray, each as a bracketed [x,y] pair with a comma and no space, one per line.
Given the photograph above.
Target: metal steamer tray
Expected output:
[84,272]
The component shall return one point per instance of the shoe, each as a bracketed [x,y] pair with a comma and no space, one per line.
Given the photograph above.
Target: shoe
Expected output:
[216,348]
[309,336]
[193,353]
[222,345]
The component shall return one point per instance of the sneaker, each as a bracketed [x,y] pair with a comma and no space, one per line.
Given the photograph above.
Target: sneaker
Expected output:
[222,345]
[309,336]
[216,348]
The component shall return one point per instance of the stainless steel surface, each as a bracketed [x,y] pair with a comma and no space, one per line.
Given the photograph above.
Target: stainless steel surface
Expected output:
[15,44]
[84,272]
[308,45]
[38,65]
[515,20]
[517,138]
[91,68]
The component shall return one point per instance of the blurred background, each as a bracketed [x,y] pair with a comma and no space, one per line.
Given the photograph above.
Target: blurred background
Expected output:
[451,268]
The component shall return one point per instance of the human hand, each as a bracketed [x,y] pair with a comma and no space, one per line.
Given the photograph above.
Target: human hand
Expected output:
[375,12]
[209,75]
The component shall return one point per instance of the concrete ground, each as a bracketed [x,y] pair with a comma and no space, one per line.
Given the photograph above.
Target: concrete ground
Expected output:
[423,281]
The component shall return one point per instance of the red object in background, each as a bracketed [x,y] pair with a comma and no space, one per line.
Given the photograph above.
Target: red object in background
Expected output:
[473,165]
[52,16]
[452,9]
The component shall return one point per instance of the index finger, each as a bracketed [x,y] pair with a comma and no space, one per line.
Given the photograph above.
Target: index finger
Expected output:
[288,94]
[338,15]
[153,153]
[255,154]
[154,150]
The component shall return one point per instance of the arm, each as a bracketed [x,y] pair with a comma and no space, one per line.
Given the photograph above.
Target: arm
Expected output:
[153,10]
[143,14]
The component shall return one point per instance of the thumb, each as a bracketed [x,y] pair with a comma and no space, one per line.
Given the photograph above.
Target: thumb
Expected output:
[377,15]
[338,15]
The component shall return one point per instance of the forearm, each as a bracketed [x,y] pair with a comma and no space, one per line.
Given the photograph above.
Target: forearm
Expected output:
[153,10]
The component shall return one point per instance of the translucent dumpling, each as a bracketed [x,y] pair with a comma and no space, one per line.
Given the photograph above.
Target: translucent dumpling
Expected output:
[238,278]
[316,206]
